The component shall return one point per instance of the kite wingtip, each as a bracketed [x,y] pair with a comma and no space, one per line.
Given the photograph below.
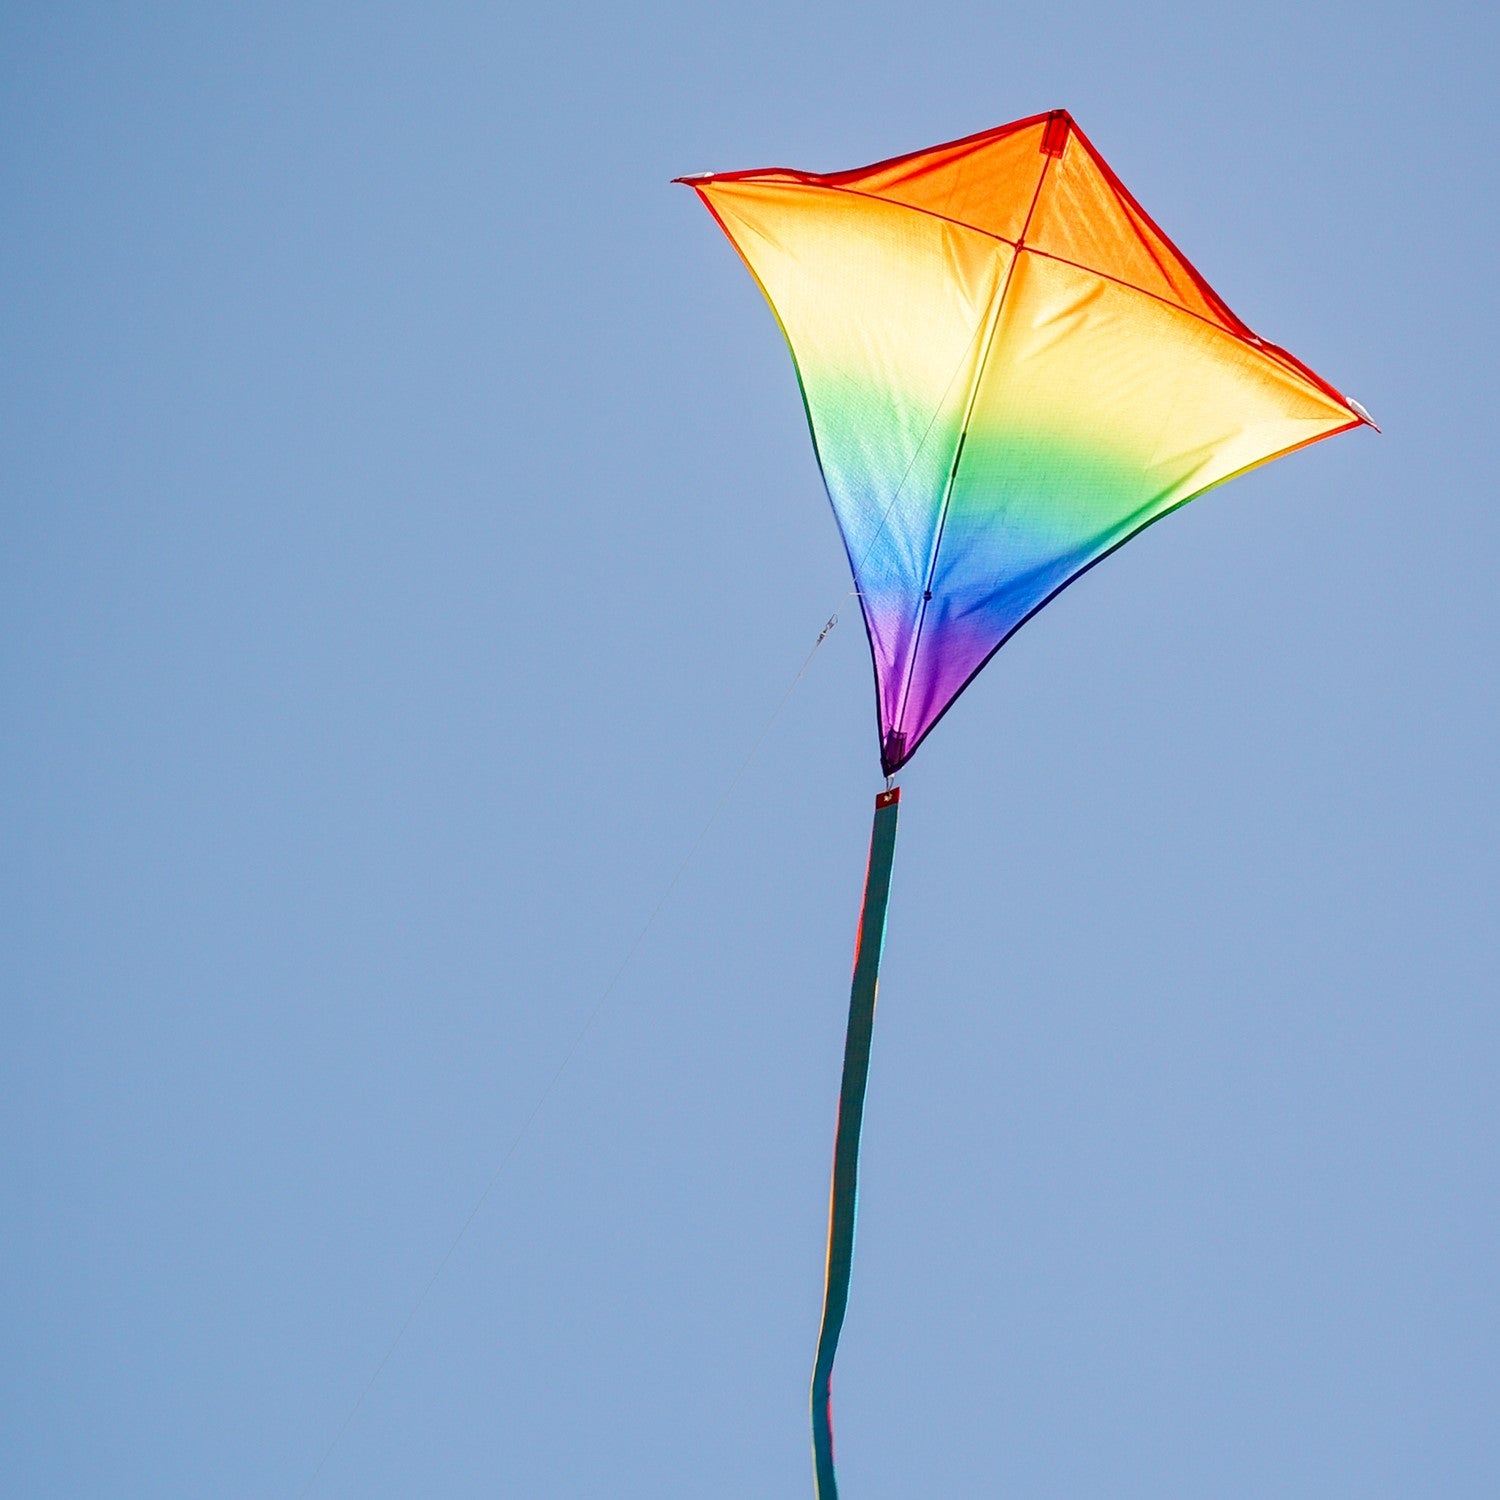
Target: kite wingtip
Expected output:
[1362,414]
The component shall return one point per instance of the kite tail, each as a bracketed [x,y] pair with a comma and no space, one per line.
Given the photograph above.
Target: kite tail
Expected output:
[844,1198]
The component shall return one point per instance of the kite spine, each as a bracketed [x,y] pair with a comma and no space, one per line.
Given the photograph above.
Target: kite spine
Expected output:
[844,1197]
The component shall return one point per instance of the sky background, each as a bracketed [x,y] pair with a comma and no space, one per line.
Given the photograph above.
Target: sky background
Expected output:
[409,526]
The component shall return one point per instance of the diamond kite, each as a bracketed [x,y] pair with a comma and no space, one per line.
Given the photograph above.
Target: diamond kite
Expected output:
[1009,371]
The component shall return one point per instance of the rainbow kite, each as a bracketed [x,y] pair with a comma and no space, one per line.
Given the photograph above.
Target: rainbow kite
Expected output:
[1008,371]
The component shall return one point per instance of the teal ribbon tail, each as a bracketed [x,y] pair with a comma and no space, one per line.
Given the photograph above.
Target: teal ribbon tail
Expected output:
[844,1200]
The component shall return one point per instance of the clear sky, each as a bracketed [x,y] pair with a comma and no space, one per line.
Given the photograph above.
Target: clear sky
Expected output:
[410,523]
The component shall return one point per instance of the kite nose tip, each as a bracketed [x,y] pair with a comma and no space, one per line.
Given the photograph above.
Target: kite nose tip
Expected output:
[1363,415]
[1055,132]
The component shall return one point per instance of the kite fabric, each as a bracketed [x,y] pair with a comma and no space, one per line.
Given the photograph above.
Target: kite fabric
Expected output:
[1008,371]
[844,1197]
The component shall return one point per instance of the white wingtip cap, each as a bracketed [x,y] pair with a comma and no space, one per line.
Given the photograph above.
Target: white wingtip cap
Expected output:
[1363,415]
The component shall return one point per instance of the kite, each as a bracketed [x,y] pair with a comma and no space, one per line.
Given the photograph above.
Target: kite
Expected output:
[1008,371]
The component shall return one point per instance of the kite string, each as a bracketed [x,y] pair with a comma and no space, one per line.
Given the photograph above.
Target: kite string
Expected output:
[575,1044]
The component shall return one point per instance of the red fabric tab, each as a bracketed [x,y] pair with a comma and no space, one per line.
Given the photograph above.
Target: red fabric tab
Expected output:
[1055,137]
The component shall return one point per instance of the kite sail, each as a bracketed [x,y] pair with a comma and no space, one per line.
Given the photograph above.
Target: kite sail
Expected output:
[1008,371]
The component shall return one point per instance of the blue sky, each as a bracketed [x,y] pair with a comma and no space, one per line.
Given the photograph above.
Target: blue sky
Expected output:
[410,524]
